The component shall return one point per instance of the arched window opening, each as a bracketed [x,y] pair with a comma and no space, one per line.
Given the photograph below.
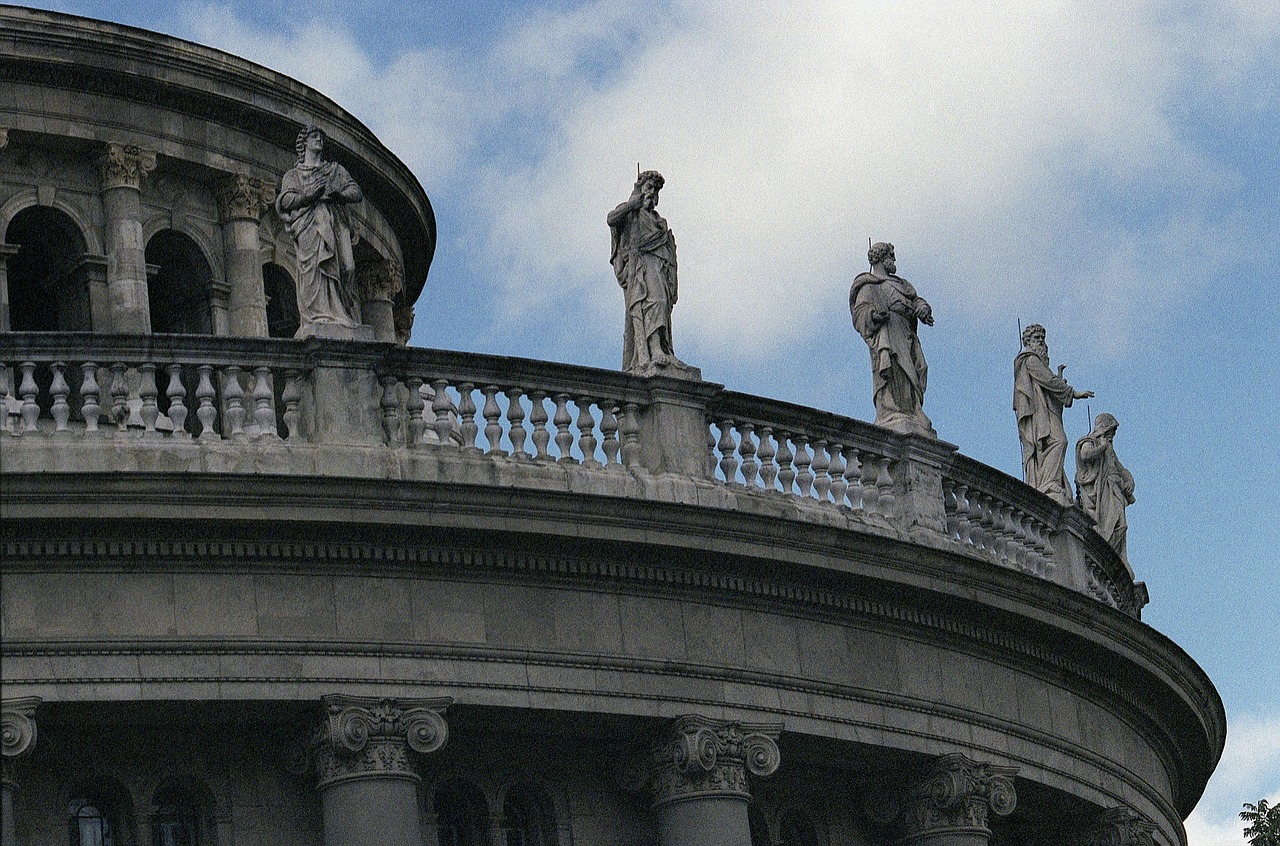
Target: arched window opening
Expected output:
[527,818]
[758,825]
[179,290]
[48,281]
[181,815]
[794,829]
[282,301]
[461,815]
[96,819]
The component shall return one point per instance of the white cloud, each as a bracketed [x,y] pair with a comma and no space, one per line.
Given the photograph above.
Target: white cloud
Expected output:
[1249,771]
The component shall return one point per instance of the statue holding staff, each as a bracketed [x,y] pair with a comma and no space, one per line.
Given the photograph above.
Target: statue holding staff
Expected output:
[1039,395]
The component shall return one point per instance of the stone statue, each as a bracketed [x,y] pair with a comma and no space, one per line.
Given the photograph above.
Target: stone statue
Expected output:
[313,201]
[1038,399]
[643,255]
[885,311]
[1103,486]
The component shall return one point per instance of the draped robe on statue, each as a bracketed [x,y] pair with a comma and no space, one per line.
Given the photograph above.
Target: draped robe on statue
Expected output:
[1039,395]
[898,369]
[1105,488]
[322,232]
[644,259]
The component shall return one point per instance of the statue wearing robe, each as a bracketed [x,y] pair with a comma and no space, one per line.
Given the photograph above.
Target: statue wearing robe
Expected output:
[1103,486]
[1038,399]
[643,255]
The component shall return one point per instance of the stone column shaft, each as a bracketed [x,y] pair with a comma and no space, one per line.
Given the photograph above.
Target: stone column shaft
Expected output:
[122,168]
[7,251]
[364,760]
[698,777]
[241,200]
[379,285]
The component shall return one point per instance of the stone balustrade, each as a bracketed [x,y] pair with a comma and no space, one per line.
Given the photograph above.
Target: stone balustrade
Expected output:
[80,402]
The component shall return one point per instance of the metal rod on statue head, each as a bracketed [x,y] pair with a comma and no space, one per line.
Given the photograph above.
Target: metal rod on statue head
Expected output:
[637,170]
[1019,333]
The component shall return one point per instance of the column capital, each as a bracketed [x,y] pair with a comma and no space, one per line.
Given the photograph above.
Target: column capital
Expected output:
[18,726]
[372,737]
[1119,826]
[955,796]
[4,137]
[243,197]
[381,280]
[403,317]
[696,757]
[124,165]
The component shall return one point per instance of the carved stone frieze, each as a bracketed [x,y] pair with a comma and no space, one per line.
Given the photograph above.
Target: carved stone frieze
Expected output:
[365,736]
[241,196]
[1119,826]
[381,280]
[956,796]
[697,757]
[124,165]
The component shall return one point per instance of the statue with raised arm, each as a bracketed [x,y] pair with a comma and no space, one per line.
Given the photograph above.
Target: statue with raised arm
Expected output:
[643,254]
[313,201]
[1103,486]
[886,311]
[1039,395]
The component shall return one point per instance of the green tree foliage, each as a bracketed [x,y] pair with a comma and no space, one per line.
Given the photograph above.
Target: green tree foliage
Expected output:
[1264,823]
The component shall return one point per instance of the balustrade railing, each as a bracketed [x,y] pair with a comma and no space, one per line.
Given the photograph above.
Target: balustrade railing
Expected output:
[433,407]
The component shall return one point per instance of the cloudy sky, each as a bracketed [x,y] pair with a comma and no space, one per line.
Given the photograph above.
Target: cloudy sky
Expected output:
[1111,170]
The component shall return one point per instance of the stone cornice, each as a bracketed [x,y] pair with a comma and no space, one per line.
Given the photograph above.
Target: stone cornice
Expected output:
[243,197]
[124,165]
[697,757]
[1119,826]
[372,737]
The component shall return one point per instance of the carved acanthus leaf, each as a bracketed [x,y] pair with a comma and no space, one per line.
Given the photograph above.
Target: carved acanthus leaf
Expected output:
[957,793]
[381,280]
[124,165]
[243,196]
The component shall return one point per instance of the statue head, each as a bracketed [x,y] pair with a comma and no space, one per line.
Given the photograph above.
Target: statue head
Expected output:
[1105,424]
[1033,337]
[648,184]
[882,251]
[304,137]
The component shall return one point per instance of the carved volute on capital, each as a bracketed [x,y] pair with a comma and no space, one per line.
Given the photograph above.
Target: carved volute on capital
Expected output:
[381,281]
[241,196]
[17,730]
[1119,826]
[697,757]
[124,165]
[365,736]
[957,795]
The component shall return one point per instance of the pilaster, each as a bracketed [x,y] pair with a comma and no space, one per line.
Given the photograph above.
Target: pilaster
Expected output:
[122,168]
[241,201]
[17,739]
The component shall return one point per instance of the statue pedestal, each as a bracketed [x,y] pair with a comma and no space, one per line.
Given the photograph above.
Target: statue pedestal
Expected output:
[336,331]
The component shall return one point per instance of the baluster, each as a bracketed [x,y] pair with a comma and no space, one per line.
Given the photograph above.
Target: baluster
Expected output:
[515,417]
[90,410]
[609,431]
[747,449]
[205,412]
[28,391]
[999,538]
[177,394]
[884,483]
[233,396]
[711,451]
[538,417]
[428,395]
[264,403]
[414,406]
[390,408]
[492,415]
[964,521]
[768,469]
[985,537]
[839,484]
[786,472]
[467,414]
[804,476]
[1043,549]
[586,432]
[292,395]
[821,463]
[119,397]
[149,393]
[867,481]
[853,476]
[59,389]
[5,393]
[1012,543]
[630,434]
[441,407]
[728,453]
[1019,558]
[564,438]
[949,506]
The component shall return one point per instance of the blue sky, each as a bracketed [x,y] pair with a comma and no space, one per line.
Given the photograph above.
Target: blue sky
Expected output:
[1109,170]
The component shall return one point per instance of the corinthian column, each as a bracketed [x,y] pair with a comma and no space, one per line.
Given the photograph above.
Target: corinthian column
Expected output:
[697,775]
[18,736]
[122,167]
[379,284]
[1119,827]
[364,761]
[951,805]
[241,201]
